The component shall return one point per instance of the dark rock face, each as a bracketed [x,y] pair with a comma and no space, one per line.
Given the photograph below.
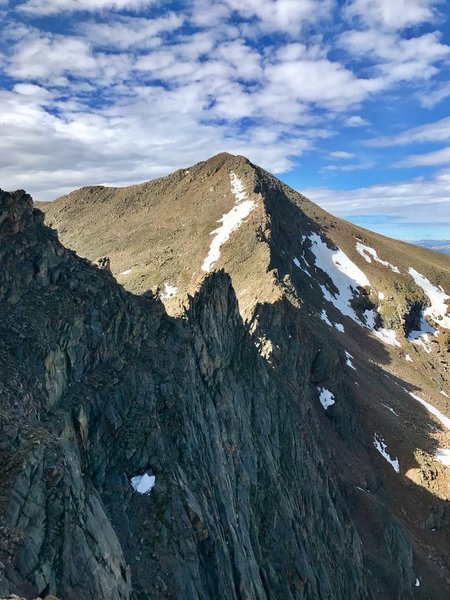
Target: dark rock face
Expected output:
[98,386]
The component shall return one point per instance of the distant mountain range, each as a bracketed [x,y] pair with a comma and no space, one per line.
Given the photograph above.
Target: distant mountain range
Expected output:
[436,245]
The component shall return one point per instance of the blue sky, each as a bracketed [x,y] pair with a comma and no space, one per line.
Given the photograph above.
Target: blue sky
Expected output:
[347,101]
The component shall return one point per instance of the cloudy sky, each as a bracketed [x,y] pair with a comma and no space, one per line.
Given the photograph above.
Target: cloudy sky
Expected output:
[345,100]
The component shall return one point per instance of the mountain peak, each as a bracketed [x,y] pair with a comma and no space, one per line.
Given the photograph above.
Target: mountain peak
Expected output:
[226,158]
[226,213]
[160,234]
[222,157]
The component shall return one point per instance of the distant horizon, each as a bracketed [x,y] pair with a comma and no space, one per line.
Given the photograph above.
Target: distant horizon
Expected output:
[441,246]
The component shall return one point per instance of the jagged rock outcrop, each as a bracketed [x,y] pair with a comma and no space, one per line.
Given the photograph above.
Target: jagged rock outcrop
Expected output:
[255,490]
[113,387]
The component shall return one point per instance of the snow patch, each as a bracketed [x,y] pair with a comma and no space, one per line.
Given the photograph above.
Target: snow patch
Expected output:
[408,358]
[323,315]
[381,296]
[424,328]
[297,264]
[368,253]
[348,361]
[326,397]
[417,584]
[390,409]
[438,299]
[345,275]
[169,291]
[370,318]
[231,221]
[387,336]
[143,484]
[423,341]
[431,409]
[127,272]
[237,188]
[444,394]
[339,327]
[381,447]
[421,337]
[443,456]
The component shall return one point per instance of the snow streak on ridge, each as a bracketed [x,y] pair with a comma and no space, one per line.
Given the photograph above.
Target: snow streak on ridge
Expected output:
[369,253]
[431,409]
[438,299]
[346,277]
[231,221]
[381,447]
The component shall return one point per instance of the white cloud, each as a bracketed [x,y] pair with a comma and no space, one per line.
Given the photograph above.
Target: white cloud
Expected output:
[392,47]
[431,159]
[336,87]
[432,97]
[439,131]
[136,97]
[52,7]
[396,59]
[341,154]
[348,167]
[282,15]
[254,18]
[414,201]
[32,91]
[207,13]
[391,14]
[355,121]
[127,32]
[49,153]
[44,57]
[245,61]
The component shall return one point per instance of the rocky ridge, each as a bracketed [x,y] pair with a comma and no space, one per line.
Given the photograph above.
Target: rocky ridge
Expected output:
[259,492]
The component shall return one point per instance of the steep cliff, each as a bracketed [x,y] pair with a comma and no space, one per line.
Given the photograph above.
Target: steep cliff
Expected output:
[258,492]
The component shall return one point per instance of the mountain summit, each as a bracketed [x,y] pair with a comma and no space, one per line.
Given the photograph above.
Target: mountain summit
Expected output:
[215,389]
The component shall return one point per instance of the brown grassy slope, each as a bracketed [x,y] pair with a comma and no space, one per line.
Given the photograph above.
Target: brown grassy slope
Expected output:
[161,229]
